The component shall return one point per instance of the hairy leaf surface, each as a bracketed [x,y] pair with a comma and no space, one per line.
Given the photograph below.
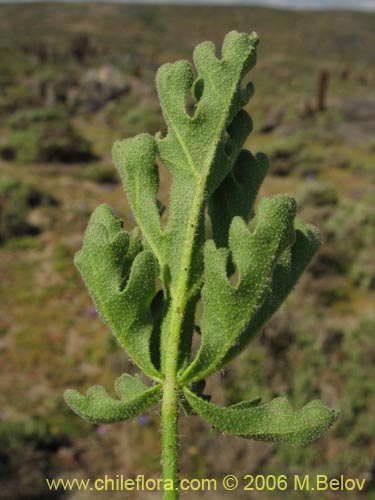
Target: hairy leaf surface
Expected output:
[122,290]
[99,407]
[227,308]
[274,421]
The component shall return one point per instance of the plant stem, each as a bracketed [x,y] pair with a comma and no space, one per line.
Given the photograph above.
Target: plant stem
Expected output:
[171,386]
[170,439]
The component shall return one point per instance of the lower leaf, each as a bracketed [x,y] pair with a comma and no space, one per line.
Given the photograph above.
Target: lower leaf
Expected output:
[99,407]
[274,421]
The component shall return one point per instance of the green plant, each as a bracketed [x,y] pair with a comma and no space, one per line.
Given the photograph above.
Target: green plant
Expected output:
[351,228]
[99,173]
[210,170]
[16,199]
[40,135]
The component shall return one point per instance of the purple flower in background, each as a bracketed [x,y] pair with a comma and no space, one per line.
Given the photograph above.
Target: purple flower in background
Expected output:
[91,311]
[101,429]
[310,177]
[108,187]
[143,420]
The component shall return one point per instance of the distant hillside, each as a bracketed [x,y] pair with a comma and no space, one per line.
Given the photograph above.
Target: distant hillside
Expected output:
[294,47]
[166,30]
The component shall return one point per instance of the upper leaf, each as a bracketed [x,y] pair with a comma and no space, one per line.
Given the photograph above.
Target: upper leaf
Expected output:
[192,142]
[196,148]
[274,421]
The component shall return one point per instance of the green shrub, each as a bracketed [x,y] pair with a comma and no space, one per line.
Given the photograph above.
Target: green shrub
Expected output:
[16,198]
[351,230]
[101,174]
[142,119]
[132,116]
[44,136]
[318,194]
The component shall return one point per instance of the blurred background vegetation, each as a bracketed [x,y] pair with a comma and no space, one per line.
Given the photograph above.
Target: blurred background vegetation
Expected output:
[76,77]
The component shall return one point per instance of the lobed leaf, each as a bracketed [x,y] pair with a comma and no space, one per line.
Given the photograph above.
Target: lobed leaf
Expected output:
[98,407]
[227,308]
[135,161]
[288,269]
[195,148]
[274,421]
[122,290]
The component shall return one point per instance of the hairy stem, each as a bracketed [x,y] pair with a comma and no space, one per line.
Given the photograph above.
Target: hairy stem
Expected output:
[170,439]
[171,386]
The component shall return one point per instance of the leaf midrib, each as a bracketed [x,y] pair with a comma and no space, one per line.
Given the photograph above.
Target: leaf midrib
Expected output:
[180,296]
